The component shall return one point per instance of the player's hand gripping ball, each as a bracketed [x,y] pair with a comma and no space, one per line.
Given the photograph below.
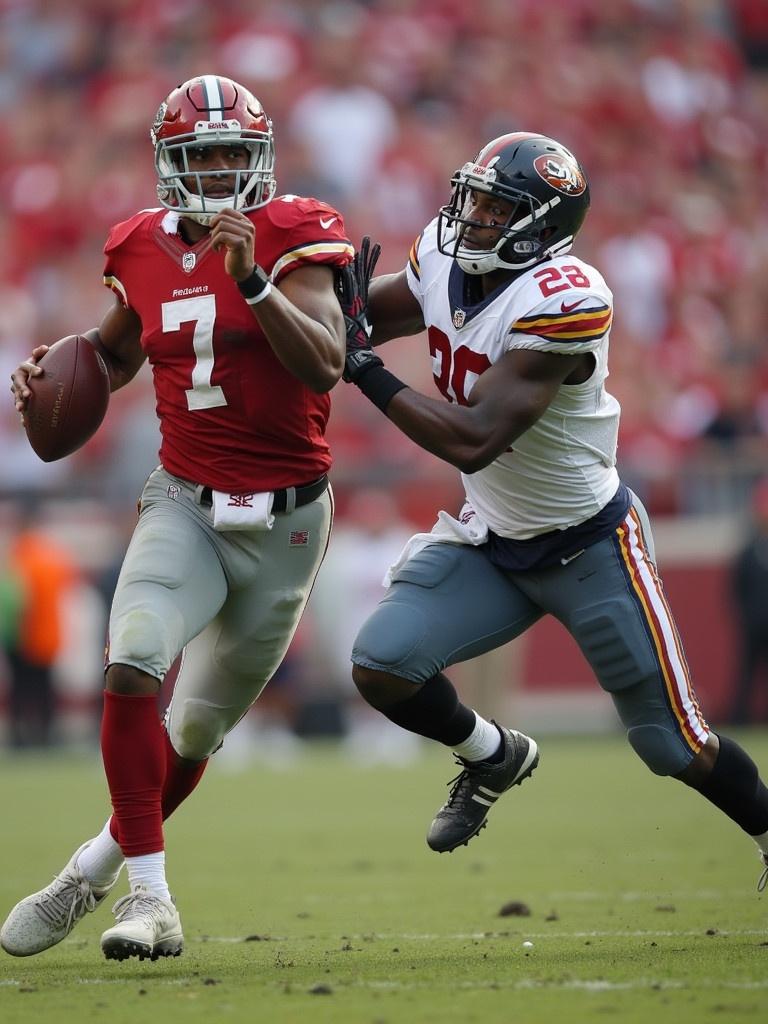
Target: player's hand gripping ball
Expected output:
[69,398]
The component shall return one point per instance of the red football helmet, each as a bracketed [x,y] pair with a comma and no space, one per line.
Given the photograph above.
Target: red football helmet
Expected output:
[212,111]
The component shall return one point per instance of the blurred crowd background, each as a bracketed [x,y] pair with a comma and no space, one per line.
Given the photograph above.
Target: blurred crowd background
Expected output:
[374,104]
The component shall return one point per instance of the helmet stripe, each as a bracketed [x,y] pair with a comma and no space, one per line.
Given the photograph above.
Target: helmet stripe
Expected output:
[496,145]
[214,97]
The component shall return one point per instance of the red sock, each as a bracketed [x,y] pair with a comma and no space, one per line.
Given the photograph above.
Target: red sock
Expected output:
[132,748]
[181,777]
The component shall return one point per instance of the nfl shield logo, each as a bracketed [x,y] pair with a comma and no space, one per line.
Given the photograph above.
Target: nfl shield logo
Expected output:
[188,261]
[459,316]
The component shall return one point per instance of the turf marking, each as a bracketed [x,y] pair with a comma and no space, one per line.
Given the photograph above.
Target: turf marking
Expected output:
[505,934]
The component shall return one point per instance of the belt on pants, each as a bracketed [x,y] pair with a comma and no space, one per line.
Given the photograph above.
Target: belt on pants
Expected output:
[287,498]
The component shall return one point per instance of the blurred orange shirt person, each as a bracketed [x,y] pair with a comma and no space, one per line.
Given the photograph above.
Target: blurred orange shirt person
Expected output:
[47,571]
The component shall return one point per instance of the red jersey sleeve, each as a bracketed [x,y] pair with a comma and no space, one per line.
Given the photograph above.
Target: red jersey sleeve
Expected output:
[312,232]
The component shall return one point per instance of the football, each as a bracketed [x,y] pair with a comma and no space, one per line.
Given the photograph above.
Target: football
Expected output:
[69,399]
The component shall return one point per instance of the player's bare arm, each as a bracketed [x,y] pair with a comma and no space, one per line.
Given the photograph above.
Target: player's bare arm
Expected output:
[392,309]
[504,403]
[117,339]
[305,326]
[301,318]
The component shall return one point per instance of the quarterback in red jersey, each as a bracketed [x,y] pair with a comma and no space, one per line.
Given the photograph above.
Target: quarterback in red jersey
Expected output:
[229,292]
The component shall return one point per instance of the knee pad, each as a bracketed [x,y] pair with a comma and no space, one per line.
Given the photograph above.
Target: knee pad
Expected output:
[141,637]
[660,748]
[196,729]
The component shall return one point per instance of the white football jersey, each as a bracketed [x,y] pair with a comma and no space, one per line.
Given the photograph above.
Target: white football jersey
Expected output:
[562,470]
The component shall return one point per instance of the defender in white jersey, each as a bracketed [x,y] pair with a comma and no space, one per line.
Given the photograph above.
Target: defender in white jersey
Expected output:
[562,469]
[518,332]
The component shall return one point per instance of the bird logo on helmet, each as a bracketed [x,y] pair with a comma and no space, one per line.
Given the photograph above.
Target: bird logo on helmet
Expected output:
[562,173]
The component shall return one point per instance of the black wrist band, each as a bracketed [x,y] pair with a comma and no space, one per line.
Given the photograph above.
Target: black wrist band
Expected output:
[255,287]
[379,386]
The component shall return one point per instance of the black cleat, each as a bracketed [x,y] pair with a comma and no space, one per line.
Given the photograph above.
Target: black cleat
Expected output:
[477,788]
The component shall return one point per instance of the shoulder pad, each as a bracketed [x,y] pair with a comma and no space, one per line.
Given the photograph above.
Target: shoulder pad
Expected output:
[572,323]
[288,211]
[118,234]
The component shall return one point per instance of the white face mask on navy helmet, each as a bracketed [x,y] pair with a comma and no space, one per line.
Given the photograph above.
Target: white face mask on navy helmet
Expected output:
[549,194]
[212,111]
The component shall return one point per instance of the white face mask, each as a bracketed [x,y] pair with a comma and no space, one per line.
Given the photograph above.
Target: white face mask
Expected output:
[180,188]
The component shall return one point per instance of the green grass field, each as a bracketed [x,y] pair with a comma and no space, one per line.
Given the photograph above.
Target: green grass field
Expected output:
[309,894]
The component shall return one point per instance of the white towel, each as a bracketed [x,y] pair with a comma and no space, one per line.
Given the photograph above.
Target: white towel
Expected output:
[243,511]
[469,528]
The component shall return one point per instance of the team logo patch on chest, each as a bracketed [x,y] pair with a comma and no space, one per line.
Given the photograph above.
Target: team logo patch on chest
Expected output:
[188,262]
[459,318]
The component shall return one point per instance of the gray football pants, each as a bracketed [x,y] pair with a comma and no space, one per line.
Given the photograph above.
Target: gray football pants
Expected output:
[231,601]
[449,603]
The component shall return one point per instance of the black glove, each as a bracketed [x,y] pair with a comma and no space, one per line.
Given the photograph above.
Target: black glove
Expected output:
[352,288]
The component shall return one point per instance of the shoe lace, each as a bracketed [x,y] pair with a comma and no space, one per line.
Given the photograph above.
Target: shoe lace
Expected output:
[63,904]
[763,879]
[459,791]
[139,904]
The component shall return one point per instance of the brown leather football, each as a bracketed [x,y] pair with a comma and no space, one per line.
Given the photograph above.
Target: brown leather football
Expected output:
[69,399]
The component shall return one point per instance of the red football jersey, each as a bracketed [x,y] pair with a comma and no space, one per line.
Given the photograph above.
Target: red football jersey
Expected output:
[231,416]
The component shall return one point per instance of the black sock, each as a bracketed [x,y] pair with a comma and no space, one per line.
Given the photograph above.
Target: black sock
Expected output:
[435,712]
[734,785]
[501,750]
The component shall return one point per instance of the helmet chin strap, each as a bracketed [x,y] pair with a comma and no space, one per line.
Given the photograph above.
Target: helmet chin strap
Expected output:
[202,209]
[476,262]
[206,216]
[484,261]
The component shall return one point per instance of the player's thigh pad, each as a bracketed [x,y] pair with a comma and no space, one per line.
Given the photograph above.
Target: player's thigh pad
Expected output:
[272,572]
[656,708]
[170,586]
[612,602]
[226,667]
[447,604]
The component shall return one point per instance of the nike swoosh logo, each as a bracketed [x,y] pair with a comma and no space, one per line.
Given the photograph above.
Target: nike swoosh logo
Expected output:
[570,558]
[325,224]
[567,307]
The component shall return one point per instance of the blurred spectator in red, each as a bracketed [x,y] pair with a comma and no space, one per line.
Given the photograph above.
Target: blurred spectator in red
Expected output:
[376,103]
[749,588]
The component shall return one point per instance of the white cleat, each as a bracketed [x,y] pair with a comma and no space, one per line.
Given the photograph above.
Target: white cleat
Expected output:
[148,926]
[46,917]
